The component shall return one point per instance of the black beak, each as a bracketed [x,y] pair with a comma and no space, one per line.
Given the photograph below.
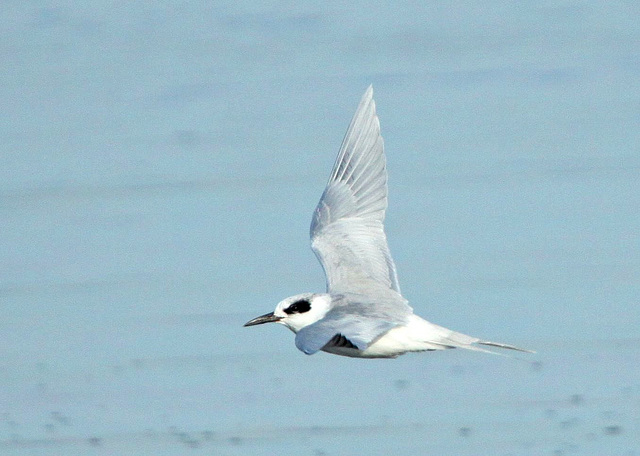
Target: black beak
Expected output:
[266,318]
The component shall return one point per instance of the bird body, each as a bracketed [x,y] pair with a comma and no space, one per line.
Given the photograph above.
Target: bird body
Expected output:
[363,314]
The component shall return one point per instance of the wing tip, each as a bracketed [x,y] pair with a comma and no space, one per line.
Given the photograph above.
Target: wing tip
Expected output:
[367,97]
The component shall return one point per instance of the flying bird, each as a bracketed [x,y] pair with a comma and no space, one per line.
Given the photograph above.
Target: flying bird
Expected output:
[363,313]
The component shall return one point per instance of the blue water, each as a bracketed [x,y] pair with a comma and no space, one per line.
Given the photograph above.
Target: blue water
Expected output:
[159,164]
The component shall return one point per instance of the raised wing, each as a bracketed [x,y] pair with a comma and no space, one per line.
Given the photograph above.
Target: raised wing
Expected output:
[347,231]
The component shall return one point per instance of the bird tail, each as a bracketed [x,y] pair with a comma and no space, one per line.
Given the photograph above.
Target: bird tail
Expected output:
[439,338]
[507,346]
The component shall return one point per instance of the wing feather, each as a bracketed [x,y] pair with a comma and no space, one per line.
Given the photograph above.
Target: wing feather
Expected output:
[347,229]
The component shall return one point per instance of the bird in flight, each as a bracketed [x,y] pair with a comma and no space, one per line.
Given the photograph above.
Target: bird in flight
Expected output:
[362,314]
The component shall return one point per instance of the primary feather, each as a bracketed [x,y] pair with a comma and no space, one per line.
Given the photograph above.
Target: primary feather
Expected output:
[347,231]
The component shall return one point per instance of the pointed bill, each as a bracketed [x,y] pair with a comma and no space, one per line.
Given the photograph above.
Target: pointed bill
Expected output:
[266,318]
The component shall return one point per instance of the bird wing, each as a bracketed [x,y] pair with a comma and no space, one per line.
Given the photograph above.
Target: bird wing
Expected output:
[347,231]
[358,332]
[359,319]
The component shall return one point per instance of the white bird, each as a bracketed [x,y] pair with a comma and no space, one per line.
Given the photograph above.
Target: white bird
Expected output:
[363,313]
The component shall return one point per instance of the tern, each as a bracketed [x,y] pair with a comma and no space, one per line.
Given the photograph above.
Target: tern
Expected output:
[363,313]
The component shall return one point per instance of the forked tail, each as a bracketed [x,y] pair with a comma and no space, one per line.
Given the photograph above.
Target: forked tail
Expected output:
[438,338]
[507,346]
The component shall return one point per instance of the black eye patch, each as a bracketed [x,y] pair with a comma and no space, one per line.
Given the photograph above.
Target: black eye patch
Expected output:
[301,306]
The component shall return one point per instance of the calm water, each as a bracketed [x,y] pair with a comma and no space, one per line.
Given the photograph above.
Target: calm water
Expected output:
[158,170]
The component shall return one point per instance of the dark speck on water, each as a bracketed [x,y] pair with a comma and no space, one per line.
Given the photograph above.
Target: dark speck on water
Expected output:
[235,440]
[612,430]
[207,435]
[192,443]
[536,366]
[60,418]
[576,399]
[94,441]
[569,423]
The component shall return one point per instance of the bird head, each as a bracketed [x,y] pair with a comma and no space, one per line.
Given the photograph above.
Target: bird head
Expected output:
[297,311]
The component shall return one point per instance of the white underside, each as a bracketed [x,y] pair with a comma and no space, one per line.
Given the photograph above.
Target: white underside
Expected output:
[417,335]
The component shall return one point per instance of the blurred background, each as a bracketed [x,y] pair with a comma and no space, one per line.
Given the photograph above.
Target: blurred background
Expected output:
[159,164]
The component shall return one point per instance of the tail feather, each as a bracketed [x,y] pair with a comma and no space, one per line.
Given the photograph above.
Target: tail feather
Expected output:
[507,346]
[437,337]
